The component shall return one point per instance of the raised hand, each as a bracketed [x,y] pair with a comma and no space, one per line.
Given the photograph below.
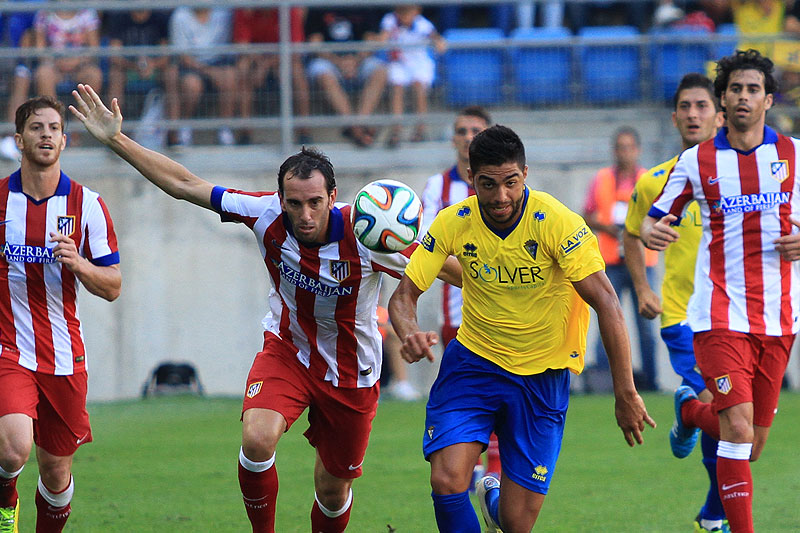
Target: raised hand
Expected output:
[102,123]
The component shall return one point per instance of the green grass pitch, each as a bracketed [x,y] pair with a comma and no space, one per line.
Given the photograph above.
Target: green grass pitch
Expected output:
[169,465]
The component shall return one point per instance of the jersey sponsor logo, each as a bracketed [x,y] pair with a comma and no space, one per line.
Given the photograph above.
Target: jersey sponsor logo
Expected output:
[254,388]
[779,170]
[712,180]
[66,225]
[532,247]
[540,473]
[470,250]
[518,277]
[428,242]
[539,216]
[724,384]
[747,203]
[314,286]
[573,242]
[24,253]
[340,270]
[463,212]
[80,358]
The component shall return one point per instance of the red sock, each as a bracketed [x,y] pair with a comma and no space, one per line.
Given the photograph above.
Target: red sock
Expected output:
[259,492]
[735,482]
[493,455]
[322,523]
[698,414]
[8,491]
[50,519]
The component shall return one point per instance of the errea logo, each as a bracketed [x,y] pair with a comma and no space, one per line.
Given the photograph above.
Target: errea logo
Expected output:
[470,250]
[540,473]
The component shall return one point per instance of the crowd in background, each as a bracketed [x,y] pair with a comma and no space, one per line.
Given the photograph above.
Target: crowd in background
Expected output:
[348,83]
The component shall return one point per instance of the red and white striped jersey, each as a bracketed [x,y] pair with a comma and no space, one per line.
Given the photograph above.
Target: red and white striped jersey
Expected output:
[39,323]
[741,281]
[443,190]
[324,298]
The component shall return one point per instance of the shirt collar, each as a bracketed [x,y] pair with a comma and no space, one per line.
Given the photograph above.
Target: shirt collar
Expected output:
[15,183]
[721,139]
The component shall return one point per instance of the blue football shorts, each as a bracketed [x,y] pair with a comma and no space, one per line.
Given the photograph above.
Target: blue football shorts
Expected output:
[472,397]
[678,339]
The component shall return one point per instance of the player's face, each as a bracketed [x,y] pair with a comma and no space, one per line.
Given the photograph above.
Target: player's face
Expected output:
[696,117]
[626,151]
[745,100]
[42,139]
[308,205]
[464,130]
[500,190]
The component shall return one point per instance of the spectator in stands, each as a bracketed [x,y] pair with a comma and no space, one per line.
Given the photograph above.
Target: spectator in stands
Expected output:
[603,13]
[499,16]
[20,35]
[252,70]
[604,210]
[758,17]
[60,30]
[142,27]
[410,63]
[198,29]
[333,71]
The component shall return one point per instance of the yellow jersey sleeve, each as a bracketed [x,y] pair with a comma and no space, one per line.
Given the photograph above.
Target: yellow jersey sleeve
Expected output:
[520,308]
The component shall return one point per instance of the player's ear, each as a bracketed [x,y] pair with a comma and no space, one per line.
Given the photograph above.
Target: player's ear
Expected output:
[333,196]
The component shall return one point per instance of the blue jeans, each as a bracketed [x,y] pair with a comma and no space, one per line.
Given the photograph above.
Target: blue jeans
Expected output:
[621,280]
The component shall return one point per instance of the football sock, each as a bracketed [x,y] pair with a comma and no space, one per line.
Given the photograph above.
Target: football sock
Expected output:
[736,484]
[700,415]
[8,487]
[53,508]
[258,482]
[324,520]
[455,514]
[493,455]
[712,510]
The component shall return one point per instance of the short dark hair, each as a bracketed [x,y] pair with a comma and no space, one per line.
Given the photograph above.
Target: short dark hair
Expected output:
[627,130]
[745,60]
[496,145]
[29,107]
[477,112]
[302,163]
[695,80]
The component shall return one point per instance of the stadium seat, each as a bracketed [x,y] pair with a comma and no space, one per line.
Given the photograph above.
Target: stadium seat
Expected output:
[729,38]
[473,75]
[610,65]
[542,73]
[675,52]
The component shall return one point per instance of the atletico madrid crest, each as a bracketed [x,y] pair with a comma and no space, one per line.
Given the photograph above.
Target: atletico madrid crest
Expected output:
[724,384]
[254,388]
[779,170]
[66,225]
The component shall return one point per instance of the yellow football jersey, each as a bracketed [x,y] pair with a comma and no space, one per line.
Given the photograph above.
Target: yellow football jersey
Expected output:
[680,256]
[520,309]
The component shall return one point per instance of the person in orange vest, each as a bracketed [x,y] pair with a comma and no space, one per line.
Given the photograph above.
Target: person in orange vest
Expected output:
[604,210]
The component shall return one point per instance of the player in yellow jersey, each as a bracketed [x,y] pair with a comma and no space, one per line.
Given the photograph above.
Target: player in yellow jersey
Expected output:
[696,117]
[530,266]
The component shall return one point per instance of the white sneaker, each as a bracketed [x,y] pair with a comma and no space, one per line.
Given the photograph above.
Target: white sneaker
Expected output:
[482,488]
[225,137]
[185,136]
[8,149]
[404,391]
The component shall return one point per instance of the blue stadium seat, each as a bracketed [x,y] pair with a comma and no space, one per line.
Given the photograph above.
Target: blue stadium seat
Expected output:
[474,75]
[672,58]
[730,38]
[542,74]
[610,65]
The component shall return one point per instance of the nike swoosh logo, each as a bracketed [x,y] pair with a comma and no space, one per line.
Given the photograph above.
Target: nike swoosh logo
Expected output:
[2,222]
[727,487]
[80,440]
[276,245]
[713,181]
[351,467]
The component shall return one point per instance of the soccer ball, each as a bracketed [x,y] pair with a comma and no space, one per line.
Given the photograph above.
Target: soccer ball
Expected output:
[386,216]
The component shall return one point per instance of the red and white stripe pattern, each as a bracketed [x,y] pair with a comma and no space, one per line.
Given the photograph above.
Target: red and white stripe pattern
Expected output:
[741,281]
[444,190]
[324,298]
[39,321]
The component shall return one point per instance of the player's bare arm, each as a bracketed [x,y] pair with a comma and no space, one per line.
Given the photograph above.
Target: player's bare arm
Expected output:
[789,245]
[403,313]
[629,408]
[649,301]
[102,281]
[106,126]
[451,272]
[658,234]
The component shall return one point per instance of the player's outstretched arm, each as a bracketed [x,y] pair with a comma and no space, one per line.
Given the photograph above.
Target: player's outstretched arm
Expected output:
[649,302]
[596,290]
[403,313]
[658,234]
[106,126]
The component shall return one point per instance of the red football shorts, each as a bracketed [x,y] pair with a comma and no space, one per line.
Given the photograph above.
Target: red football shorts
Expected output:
[57,405]
[743,367]
[339,419]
